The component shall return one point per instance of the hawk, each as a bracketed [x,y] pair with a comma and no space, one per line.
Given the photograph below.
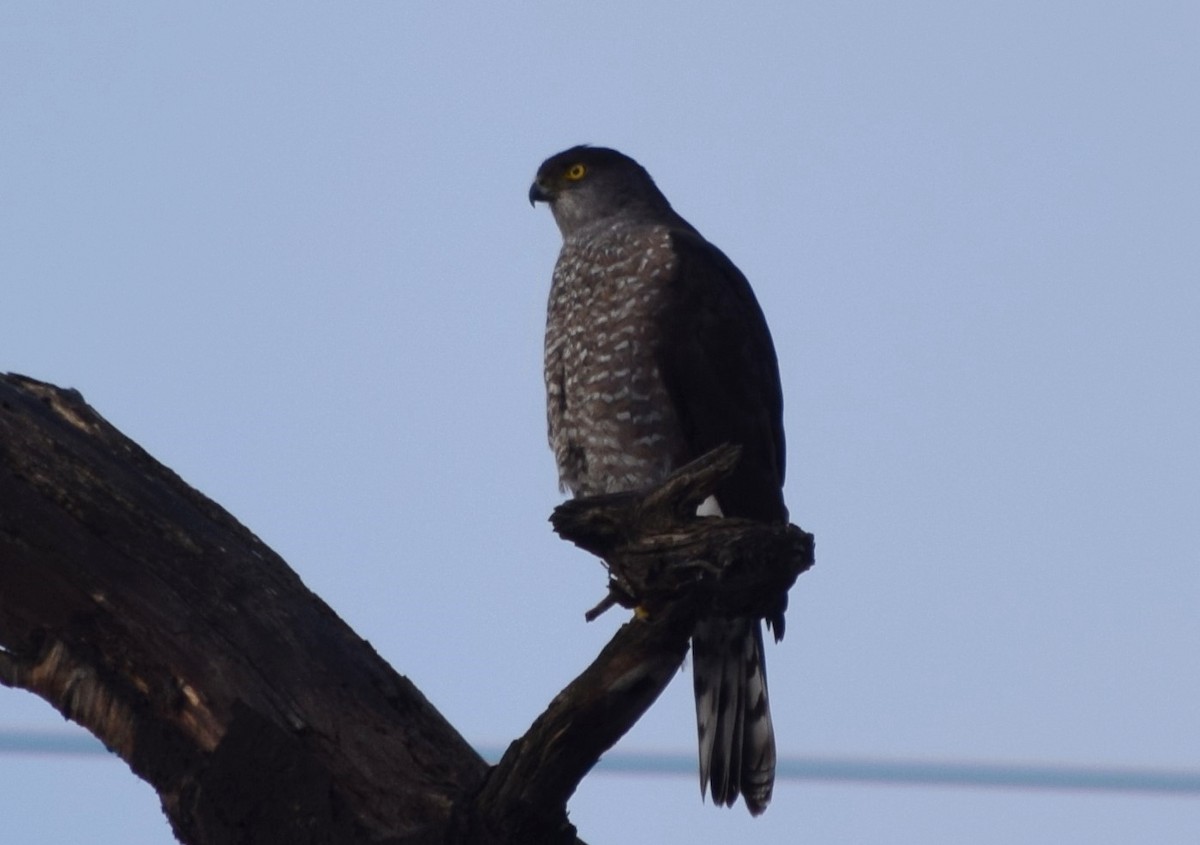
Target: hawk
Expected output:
[657,352]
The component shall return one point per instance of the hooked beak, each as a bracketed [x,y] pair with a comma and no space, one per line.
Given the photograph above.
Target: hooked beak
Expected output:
[538,194]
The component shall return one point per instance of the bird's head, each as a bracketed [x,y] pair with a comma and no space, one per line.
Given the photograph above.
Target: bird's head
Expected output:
[584,185]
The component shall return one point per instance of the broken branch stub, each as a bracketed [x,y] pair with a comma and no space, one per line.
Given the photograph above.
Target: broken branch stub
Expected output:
[658,551]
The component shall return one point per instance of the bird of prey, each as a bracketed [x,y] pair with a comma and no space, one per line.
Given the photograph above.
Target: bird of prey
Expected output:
[657,352]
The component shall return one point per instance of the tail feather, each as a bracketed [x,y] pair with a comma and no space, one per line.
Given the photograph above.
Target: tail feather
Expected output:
[733,715]
[758,743]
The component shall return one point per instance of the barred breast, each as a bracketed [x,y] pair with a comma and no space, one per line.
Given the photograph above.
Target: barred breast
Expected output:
[611,423]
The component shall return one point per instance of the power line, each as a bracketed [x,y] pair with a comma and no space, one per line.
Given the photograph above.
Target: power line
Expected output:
[992,775]
[996,775]
[49,742]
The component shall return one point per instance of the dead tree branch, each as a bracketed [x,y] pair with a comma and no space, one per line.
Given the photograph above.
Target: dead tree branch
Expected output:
[674,567]
[145,612]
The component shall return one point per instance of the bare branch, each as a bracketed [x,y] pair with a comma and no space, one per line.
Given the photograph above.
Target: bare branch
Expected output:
[148,614]
[674,567]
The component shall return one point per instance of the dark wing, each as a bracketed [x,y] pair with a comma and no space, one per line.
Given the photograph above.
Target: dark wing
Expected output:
[718,363]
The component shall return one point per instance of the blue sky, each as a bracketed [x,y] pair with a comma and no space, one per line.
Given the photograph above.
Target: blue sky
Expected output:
[286,248]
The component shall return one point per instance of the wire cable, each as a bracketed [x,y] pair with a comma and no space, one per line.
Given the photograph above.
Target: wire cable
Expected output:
[883,771]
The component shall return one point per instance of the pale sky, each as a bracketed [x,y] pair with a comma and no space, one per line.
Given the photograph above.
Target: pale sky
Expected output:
[287,249]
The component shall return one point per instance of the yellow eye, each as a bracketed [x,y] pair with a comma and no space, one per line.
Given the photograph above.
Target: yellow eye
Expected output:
[576,172]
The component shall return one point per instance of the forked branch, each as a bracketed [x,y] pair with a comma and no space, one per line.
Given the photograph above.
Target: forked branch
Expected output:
[145,612]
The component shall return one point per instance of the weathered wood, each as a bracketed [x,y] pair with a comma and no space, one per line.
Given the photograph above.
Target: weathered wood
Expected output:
[674,567]
[657,549]
[543,768]
[146,613]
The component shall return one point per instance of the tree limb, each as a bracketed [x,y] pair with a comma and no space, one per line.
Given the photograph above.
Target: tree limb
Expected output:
[149,615]
[146,613]
[675,568]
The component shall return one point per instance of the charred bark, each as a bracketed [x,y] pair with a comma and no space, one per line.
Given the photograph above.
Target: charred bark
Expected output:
[143,611]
